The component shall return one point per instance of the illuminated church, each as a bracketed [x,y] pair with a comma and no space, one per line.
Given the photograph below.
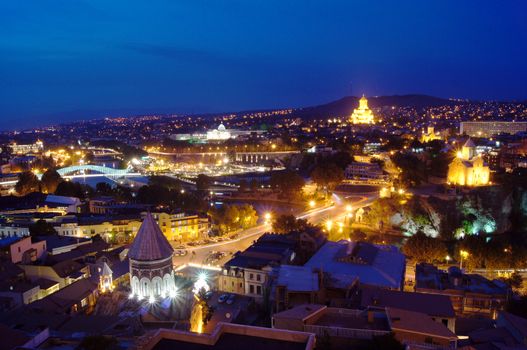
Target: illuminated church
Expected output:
[151,269]
[468,169]
[362,114]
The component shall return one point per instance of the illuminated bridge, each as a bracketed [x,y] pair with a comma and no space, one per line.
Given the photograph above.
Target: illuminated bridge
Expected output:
[96,170]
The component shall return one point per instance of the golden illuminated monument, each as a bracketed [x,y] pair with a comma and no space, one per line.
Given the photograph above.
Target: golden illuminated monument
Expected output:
[362,114]
[468,169]
[430,135]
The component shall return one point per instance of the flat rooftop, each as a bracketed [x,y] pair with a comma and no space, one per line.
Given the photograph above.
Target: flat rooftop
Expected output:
[230,341]
[335,319]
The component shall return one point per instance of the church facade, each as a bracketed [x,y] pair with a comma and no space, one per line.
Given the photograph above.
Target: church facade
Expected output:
[468,169]
[362,114]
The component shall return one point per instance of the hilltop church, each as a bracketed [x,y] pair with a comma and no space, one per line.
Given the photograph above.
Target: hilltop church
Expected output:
[362,114]
[468,169]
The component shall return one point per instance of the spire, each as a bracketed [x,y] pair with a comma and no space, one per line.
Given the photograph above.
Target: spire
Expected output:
[106,271]
[150,243]
[469,143]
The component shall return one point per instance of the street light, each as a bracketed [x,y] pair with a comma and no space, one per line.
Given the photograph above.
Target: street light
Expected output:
[329,225]
[312,203]
[267,218]
[463,255]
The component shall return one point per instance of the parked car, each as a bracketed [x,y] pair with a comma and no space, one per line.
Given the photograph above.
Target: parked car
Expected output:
[208,295]
[223,298]
[231,299]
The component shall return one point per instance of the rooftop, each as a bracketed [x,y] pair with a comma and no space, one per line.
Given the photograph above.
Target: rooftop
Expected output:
[416,322]
[377,265]
[430,304]
[232,336]
[150,243]
[430,277]
[298,278]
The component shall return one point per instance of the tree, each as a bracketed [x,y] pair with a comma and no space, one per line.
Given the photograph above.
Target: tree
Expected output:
[515,281]
[50,180]
[73,189]
[422,248]
[203,182]
[27,183]
[288,183]
[327,176]
[288,223]
[414,170]
[235,217]
[42,228]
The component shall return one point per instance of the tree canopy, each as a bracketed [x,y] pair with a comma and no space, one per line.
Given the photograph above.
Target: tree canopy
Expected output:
[422,248]
[27,183]
[289,223]
[50,180]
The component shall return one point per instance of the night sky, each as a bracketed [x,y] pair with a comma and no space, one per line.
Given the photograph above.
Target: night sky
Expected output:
[62,60]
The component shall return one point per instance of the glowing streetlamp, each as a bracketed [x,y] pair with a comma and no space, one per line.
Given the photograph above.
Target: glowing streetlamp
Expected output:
[312,203]
[329,225]
[267,218]
[463,254]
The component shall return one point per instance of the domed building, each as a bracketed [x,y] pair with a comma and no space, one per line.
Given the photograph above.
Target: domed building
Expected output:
[362,114]
[219,134]
[151,269]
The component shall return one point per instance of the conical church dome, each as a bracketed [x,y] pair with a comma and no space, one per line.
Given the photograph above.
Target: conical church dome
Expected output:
[150,243]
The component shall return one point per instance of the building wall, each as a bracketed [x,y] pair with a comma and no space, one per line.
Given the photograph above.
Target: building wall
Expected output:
[231,282]
[487,129]
[13,231]
[18,249]
[181,227]
[255,282]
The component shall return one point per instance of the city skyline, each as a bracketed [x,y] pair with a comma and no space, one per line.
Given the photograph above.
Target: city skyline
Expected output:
[67,61]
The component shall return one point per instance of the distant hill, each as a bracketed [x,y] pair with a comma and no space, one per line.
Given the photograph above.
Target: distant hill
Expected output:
[345,105]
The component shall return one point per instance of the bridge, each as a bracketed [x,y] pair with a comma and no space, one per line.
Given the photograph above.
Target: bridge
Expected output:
[244,157]
[71,170]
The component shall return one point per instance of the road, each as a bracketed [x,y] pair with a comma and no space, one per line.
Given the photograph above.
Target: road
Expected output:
[336,213]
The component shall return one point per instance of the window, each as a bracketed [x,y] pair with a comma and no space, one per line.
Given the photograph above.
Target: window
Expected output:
[251,276]
[258,277]
[259,290]
[251,289]
[84,302]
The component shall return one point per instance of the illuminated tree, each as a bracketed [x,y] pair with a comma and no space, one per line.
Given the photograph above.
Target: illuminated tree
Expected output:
[288,223]
[422,248]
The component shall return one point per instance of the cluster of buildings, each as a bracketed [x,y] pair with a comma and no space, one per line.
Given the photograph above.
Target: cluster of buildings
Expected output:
[221,133]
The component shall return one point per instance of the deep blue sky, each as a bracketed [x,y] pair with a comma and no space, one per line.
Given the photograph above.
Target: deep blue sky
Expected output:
[69,59]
